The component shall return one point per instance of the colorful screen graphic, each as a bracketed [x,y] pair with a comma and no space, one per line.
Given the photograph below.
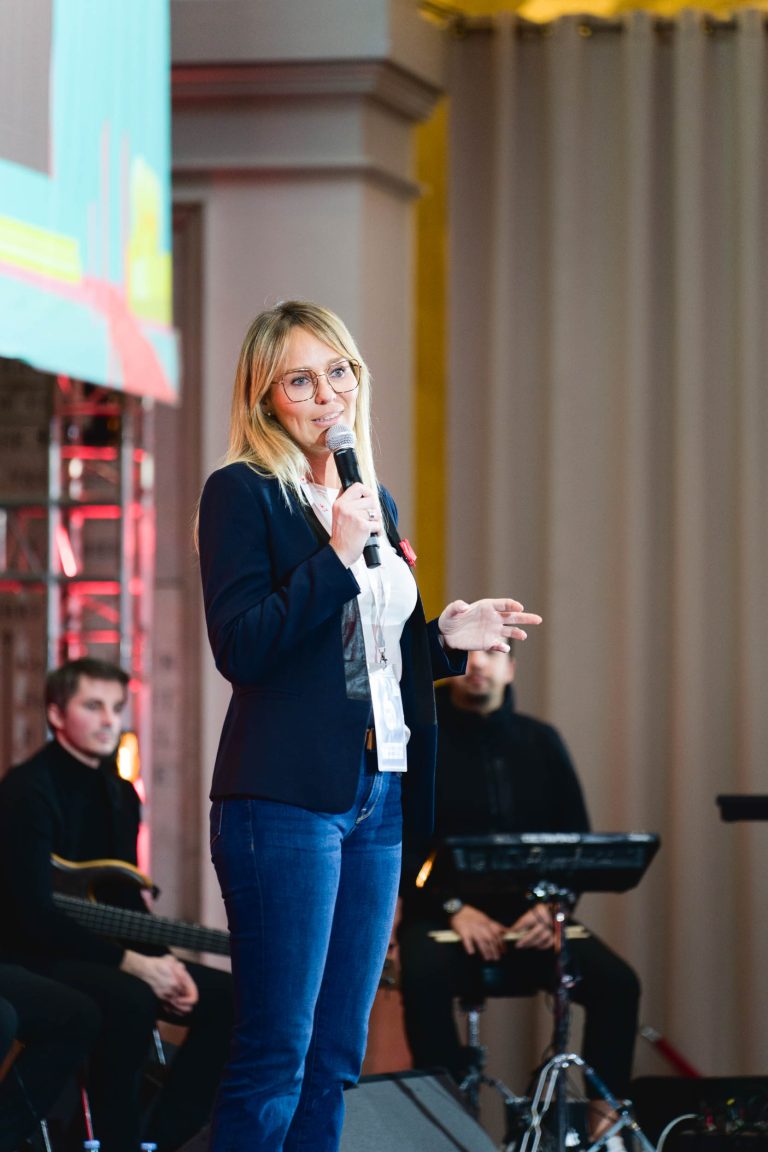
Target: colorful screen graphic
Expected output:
[85,231]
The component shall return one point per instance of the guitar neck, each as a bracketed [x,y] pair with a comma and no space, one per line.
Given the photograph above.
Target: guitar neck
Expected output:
[142,928]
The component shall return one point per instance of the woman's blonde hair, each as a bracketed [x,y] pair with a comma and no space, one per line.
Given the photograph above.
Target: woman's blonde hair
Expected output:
[258,439]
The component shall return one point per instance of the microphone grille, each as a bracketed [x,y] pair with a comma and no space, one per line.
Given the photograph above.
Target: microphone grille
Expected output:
[339,436]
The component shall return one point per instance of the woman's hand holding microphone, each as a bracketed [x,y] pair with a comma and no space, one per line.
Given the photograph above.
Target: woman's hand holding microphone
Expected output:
[355,517]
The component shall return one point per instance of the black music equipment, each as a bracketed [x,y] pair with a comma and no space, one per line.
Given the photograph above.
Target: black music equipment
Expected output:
[410,1112]
[135,927]
[735,807]
[553,867]
[578,861]
[722,1111]
[402,1112]
[698,1139]
[77,885]
[199,1142]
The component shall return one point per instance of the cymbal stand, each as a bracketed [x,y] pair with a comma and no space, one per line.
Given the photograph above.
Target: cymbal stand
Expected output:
[552,1085]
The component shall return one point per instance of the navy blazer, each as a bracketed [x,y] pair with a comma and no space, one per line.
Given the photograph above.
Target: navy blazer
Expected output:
[284,627]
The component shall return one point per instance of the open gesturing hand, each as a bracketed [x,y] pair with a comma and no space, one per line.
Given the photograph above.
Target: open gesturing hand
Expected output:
[488,624]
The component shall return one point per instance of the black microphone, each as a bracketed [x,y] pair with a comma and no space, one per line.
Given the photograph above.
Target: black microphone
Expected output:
[341,441]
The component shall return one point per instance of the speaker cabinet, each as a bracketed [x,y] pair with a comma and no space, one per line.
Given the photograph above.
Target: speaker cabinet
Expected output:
[410,1112]
[198,1143]
[404,1112]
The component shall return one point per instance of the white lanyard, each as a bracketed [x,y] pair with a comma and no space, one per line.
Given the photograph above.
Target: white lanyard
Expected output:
[381,592]
[386,701]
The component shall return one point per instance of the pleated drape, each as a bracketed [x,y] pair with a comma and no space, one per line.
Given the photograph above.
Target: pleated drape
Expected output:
[608,465]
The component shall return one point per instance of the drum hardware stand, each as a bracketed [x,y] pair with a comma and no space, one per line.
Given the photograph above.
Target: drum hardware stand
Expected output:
[515,1107]
[551,1089]
[550,867]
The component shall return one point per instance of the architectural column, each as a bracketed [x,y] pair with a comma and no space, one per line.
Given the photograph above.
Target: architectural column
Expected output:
[293,130]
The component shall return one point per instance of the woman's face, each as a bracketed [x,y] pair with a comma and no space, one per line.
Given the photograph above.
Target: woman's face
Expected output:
[307,421]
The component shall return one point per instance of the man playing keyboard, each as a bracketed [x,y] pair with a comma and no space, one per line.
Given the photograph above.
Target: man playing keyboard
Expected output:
[499,771]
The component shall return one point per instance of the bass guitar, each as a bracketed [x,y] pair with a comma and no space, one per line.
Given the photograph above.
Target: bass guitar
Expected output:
[76,885]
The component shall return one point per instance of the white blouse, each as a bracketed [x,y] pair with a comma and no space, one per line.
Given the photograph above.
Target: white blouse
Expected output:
[387,594]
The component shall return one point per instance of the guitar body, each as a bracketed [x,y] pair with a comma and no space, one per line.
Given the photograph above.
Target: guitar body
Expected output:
[89,891]
[85,878]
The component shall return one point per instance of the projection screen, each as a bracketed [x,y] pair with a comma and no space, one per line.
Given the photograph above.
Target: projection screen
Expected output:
[85,231]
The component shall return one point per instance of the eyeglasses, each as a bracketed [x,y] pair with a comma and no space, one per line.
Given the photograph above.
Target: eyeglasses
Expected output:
[301,383]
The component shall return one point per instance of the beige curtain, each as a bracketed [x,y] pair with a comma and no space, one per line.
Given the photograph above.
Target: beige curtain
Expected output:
[608,465]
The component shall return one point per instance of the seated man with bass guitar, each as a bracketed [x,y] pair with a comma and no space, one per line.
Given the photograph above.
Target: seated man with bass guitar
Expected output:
[68,801]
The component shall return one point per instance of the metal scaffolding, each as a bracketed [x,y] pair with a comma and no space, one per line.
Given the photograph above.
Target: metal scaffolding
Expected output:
[85,543]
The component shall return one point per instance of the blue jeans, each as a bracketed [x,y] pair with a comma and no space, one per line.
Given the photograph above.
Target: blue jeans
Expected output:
[310,900]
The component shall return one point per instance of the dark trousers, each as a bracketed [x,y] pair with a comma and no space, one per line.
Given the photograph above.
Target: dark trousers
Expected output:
[433,974]
[129,1010]
[57,1027]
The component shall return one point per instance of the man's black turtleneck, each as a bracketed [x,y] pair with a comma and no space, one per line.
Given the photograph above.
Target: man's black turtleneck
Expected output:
[54,803]
[496,773]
